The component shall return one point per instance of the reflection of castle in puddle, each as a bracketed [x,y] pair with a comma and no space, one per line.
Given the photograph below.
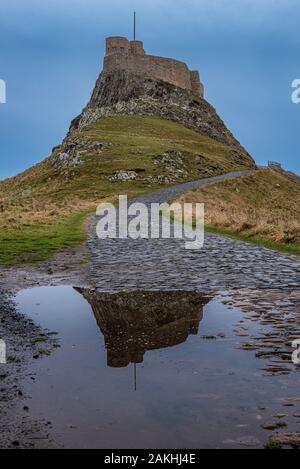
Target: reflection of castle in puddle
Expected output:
[135,322]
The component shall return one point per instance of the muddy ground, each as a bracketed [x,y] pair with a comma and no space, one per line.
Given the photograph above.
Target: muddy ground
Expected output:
[25,342]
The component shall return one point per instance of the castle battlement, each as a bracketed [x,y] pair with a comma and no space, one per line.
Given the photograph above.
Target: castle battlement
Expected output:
[122,54]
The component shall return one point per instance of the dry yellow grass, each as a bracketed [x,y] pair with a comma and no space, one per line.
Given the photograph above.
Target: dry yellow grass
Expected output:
[37,212]
[263,204]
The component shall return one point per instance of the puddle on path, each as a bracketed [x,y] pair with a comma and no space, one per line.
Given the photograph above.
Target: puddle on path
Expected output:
[140,370]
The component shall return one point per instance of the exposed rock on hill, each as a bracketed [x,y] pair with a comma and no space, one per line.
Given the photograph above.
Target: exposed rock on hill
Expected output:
[123,93]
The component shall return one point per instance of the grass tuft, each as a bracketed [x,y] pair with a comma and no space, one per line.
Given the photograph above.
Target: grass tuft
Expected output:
[37,243]
[260,208]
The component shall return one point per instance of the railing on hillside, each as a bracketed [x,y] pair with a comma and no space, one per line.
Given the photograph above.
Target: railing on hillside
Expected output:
[274,164]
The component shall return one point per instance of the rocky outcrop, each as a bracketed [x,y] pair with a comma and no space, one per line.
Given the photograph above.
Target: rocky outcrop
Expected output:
[71,152]
[124,93]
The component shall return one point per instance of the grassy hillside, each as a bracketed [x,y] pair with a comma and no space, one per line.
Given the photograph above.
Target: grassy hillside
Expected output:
[42,209]
[262,207]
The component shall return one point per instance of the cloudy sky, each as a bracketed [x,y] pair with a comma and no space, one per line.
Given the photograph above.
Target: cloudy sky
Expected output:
[247,52]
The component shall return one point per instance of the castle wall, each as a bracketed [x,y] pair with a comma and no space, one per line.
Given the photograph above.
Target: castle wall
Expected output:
[122,54]
[169,70]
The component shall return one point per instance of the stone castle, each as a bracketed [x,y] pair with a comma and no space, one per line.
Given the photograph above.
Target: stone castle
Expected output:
[122,54]
[133,83]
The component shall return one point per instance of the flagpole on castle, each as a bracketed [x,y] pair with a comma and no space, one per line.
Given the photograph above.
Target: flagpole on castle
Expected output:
[134,25]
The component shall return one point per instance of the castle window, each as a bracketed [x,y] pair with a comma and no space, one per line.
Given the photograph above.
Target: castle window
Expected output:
[122,49]
[114,49]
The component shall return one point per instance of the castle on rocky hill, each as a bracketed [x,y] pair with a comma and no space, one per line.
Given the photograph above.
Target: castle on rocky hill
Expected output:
[133,83]
[130,56]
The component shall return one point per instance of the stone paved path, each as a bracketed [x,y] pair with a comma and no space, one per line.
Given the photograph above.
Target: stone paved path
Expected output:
[223,264]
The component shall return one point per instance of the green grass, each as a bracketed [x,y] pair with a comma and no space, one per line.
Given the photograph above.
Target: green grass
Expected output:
[258,240]
[43,209]
[37,243]
[272,445]
[132,142]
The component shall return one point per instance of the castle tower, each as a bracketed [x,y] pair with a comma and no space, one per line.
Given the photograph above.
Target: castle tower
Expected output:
[117,44]
[121,45]
[137,47]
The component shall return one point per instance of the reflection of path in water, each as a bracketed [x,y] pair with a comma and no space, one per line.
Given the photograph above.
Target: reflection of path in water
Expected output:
[261,282]
[135,322]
